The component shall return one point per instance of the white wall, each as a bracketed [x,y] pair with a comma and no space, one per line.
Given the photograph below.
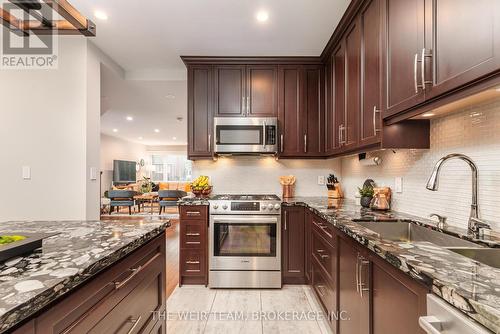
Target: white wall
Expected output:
[45,125]
[261,175]
[113,148]
[474,132]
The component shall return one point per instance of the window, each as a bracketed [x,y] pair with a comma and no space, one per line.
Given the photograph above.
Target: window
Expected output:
[171,166]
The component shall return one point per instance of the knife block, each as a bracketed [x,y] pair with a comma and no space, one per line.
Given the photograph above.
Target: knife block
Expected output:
[337,192]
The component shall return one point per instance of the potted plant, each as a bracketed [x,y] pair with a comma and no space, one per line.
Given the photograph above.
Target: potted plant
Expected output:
[366,196]
[147,185]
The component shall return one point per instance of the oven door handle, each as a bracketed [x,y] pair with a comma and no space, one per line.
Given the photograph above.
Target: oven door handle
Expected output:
[247,219]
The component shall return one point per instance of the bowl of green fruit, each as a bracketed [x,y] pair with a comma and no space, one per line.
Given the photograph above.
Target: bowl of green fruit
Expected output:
[8,239]
[15,244]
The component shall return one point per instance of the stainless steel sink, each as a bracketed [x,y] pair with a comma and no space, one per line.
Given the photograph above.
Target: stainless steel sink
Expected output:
[488,256]
[409,232]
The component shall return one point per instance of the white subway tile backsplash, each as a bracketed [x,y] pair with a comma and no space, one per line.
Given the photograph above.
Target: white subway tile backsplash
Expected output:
[472,131]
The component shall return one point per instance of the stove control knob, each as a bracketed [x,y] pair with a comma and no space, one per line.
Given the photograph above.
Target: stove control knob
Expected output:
[277,206]
[216,206]
[270,206]
[264,207]
[224,206]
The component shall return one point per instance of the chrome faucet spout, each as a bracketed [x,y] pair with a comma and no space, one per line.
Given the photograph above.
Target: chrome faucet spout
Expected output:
[433,185]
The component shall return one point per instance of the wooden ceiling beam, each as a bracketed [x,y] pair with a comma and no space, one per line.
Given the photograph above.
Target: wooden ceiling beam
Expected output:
[11,22]
[66,10]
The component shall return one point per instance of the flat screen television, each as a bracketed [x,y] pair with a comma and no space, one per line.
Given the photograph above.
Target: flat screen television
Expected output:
[124,171]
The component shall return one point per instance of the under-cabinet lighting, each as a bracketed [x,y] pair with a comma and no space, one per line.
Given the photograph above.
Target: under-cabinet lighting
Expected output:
[428,114]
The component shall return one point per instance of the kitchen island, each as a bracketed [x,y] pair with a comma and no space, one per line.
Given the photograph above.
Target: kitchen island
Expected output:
[81,277]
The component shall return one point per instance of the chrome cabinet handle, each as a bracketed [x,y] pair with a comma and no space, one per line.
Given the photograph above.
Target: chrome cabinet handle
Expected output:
[415,73]
[209,143]
[361,262]
[357,273]
[285,212]
[281,143]
[243,105]
[135,323]
[422,60]
[193,242]
[341,132]
[192,262]
[192,234]
[305,143]
[248,105]
[375,112]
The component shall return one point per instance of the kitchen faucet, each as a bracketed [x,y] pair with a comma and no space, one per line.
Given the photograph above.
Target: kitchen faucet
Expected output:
[475,225]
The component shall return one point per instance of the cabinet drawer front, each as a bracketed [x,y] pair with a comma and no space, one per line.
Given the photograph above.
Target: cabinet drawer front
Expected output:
[323,288]
[193,263]
[134,313]
[193,212]
[324,253]
[193,234]
[81,310]
[324,229]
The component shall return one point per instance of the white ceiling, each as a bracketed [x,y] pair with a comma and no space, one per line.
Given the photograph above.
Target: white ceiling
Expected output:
[147,37]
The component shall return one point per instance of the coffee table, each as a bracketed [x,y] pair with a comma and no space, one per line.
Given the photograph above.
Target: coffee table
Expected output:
[150,198]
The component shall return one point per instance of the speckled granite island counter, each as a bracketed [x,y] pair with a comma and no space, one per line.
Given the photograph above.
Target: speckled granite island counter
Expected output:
[470,286]
[80,251]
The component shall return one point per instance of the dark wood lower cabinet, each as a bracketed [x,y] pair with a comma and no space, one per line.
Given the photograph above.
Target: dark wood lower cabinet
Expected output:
[293,246]
[123,298]
[193,250]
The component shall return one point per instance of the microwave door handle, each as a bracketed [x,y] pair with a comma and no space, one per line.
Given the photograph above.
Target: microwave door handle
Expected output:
[264,135]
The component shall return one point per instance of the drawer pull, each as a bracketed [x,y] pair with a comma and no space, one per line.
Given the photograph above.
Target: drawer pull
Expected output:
[135,322]
[192,262]
[192,270]
[193,242]
[324,256]
[135,271]
[192,234]
[193,213]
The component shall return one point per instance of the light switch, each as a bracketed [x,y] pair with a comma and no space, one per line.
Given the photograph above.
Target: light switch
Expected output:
[93,173]
[398,184]
[26,173]
[321,180]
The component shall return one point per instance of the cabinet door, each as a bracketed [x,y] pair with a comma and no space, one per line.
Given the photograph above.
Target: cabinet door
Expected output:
[200,111]
[350,300]
[290,101]
[370,74]
[405,33]
[398,302]
[353,85]
[293,246]
[331,129]
[313,110]
[466,43]
[339,90]
[230,95]
[262,91]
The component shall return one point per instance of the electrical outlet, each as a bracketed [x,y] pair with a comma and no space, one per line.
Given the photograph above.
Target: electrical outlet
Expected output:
[398,184]
[321,180]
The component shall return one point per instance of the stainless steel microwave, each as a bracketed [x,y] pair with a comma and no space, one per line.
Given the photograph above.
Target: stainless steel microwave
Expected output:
[246,135]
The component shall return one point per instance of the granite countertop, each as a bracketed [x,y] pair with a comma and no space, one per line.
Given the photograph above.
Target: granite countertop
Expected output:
[470,286]
[194,201]
[80,250]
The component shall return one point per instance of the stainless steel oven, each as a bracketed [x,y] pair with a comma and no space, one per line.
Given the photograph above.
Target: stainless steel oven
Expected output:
[245,135]
[245,244]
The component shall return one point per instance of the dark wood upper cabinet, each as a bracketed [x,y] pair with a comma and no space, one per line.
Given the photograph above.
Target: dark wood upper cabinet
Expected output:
[313,114]
[200,111]
[465,45]
[293,245]
[230,90]
[405,33]
[301,110]
[353,86]
[370,122]
[339,90]
[290,111]
[262,90]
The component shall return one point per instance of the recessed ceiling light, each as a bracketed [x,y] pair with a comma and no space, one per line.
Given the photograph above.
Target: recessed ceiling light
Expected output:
[140,138]
[157,130]
[170,96]
[115,130]
[129,118]
[262,16]
[174,138]
[100,15]
[429,114]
